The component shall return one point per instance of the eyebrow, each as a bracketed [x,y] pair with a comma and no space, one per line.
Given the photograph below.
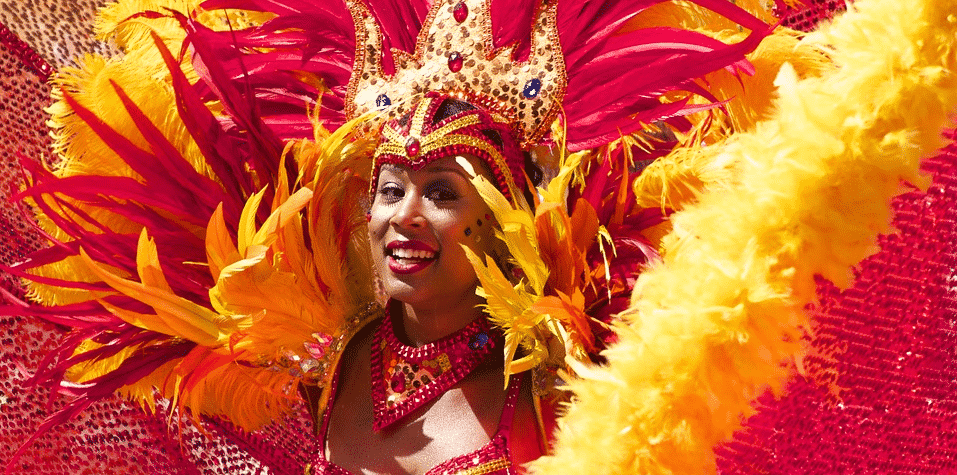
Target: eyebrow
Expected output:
[431,169]
[448,169]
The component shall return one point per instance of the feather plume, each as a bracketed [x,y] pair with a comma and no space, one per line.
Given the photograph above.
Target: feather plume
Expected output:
[300,59]
[709,329]
[620,74]
[555,306]
[283,271]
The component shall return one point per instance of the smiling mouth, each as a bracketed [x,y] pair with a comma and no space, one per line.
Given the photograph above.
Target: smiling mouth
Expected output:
[411,254]
[403,260]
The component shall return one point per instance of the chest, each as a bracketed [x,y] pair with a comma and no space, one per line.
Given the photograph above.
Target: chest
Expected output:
[463,420]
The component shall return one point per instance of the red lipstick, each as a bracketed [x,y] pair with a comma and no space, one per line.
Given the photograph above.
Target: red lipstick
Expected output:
[407,257]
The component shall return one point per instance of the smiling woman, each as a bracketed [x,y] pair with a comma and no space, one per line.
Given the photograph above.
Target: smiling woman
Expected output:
[437,386]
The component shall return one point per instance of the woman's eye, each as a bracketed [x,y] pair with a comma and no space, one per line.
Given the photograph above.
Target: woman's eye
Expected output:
[441,192]
[391,192]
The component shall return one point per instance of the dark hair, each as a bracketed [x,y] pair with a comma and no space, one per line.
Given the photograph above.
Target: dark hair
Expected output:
[451,107]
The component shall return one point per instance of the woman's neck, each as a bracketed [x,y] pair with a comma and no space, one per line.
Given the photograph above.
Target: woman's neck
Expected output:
[421,325]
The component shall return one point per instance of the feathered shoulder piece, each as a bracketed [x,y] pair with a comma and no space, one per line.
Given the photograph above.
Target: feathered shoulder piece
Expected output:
[720,320]
[193,254]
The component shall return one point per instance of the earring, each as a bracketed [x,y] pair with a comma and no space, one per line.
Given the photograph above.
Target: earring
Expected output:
[368,216]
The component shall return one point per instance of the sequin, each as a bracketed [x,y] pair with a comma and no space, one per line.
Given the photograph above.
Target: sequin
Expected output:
[383,101]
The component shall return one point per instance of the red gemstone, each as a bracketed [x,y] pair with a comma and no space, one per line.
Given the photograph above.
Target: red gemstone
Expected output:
[455,62]
[412,147]
[460,12]
[398,382]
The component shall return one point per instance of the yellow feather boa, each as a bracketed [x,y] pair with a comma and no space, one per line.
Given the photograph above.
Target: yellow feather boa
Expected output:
[712,327]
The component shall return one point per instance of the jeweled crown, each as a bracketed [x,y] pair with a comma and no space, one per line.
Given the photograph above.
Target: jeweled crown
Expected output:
[455,55]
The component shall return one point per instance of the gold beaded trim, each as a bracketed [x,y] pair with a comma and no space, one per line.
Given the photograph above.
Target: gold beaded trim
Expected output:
[395,141]
[487,467]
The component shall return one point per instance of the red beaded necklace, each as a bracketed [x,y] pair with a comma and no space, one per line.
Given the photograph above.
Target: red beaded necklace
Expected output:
[405,378]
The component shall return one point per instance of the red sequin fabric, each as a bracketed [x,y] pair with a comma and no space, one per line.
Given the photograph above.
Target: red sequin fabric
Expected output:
[810,13]
[880,395]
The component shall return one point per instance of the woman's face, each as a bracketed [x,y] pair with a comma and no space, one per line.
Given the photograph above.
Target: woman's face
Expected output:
[419,221]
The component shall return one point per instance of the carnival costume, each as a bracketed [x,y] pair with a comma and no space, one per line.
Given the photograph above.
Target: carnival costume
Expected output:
[213,256]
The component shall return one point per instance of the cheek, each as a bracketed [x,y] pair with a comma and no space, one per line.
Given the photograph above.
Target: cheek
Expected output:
[377,220]
[479,234]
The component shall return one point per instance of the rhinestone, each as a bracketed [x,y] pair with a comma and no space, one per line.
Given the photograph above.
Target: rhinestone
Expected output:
[309,365]
[412,146]
[478,341]
[398,383]
[460,12]
[383,101]
[455,62]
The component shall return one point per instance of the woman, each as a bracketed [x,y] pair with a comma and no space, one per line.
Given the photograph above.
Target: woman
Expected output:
[416,415]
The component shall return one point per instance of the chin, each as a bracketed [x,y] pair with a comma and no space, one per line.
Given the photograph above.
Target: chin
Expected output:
[403,292]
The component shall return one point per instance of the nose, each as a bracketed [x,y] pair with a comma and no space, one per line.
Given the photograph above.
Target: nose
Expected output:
[409,212]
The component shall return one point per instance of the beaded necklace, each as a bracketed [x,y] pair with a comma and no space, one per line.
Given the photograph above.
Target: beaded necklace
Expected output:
[404,378]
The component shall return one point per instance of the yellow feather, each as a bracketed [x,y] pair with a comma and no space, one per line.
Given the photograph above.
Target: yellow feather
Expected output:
[220,250]
[188,320]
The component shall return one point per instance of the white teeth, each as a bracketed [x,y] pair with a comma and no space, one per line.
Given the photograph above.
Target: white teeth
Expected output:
[412,254]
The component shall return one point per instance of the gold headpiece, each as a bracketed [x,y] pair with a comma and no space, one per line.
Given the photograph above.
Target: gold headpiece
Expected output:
[455,55]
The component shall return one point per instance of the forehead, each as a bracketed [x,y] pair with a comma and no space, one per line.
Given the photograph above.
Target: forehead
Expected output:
[466,165]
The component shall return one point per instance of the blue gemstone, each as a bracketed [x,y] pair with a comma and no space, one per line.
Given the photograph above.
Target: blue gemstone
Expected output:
[532,88]
[382,101]
[478,341]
